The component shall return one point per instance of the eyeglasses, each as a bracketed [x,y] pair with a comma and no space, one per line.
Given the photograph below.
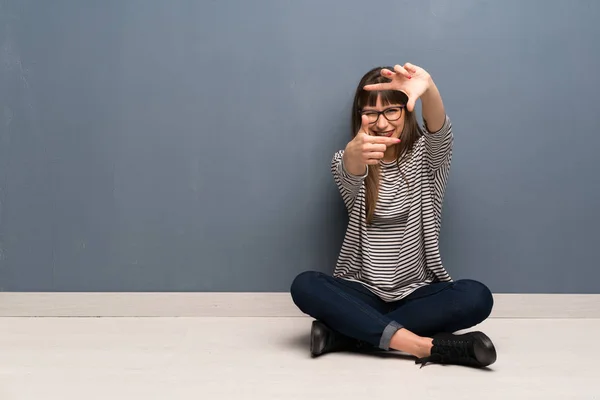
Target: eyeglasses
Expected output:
[391,114]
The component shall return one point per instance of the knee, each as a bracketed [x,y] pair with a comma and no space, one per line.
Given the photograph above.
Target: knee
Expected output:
[302,286]
[479,300]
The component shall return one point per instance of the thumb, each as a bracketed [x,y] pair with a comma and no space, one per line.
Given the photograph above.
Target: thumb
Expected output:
[410,105]
[364,127]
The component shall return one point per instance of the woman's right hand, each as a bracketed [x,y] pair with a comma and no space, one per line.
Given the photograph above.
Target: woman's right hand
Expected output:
[365,149]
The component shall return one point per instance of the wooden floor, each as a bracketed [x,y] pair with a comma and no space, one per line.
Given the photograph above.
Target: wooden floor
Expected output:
[267,358]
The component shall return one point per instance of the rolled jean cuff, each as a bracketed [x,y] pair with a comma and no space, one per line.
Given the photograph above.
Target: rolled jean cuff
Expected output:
[388,332]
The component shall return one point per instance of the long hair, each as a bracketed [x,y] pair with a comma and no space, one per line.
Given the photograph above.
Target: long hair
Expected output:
[410,132]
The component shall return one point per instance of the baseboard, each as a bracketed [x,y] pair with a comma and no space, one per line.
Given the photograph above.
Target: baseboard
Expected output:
[17,304]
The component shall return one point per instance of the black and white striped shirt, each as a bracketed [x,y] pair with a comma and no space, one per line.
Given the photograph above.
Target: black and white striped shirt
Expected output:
[399,251]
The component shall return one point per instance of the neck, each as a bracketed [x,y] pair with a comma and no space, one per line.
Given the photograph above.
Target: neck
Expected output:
[390,154]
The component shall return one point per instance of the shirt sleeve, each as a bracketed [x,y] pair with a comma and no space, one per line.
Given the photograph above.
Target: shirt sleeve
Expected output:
[438,146]
[438,156]
[347,183]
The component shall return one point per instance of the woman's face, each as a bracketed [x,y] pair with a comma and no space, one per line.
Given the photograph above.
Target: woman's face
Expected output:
[390,123]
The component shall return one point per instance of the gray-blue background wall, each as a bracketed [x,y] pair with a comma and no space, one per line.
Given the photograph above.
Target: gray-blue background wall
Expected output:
[186,145]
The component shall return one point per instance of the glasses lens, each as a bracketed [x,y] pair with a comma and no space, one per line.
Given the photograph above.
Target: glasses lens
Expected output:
[372,116]
[393,114]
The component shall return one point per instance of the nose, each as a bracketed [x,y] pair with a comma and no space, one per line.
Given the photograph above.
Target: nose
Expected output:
[382,123]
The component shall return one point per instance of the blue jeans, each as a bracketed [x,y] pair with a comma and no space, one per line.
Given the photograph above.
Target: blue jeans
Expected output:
[352,310]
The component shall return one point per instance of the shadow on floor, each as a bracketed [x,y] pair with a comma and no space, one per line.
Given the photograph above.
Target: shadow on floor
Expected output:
[301,342]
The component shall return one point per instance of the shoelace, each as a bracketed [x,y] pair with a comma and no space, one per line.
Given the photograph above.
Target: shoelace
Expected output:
[447,351]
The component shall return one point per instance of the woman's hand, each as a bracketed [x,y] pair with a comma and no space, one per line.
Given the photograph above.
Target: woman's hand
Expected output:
[410,79]
[416,83]
[365,149]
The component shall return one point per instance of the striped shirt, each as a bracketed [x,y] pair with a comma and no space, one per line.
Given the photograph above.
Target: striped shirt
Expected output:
[399,251]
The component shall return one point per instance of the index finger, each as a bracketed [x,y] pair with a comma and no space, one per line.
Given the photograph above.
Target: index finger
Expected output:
[382,140]
[379,86]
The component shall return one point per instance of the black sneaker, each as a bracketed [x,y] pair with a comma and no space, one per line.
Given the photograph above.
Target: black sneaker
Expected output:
[472,349]
[325,340]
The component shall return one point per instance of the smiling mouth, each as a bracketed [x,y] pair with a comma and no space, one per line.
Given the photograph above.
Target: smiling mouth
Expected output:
[386,133]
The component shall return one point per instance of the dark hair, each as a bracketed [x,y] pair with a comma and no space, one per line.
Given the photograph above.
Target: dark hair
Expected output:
[410,132]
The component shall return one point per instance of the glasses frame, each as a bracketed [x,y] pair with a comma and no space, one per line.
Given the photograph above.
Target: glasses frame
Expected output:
[380,113]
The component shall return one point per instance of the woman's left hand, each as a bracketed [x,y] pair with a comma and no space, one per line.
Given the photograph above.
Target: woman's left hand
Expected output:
[410,79]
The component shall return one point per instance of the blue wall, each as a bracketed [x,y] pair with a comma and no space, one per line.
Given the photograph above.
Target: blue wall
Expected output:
[185,145]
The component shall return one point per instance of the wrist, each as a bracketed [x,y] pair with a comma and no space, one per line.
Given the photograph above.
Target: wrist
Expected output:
[431,89]
[352,166]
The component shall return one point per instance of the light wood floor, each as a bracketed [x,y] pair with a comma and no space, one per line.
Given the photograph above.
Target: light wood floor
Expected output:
[267,358]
